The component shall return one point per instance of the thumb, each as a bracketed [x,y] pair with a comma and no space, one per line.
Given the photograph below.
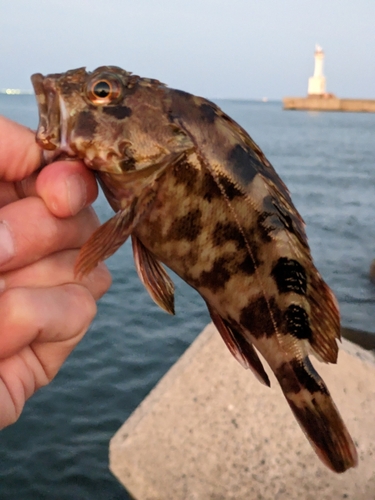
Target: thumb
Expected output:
[19,153]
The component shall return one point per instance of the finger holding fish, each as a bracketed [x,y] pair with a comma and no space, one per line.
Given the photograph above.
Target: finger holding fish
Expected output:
[20,156]
[30,232]
[54,270]
[38,330]
[66,187]
[63,186]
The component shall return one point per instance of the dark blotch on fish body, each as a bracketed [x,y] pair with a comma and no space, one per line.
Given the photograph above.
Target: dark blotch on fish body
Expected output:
[210,189]
[256,317]
[230,190]
[228,231]
[248,265]
[188,227]
[86,125]
[183,94]
[296,375]
[307,376]
[290,276]
[287,379]
[263,227]
[215,188]
[217,277]
[186,175]
[285,217]
[119,112]
[297,322]
[208,112]
[242,164]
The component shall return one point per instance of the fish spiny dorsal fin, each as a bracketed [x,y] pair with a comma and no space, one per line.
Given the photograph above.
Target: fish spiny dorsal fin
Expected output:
[153,276]
[325,321]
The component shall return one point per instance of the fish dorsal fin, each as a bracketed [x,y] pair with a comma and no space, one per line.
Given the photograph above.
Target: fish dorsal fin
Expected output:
[153,276]
[240,347]
[325,321]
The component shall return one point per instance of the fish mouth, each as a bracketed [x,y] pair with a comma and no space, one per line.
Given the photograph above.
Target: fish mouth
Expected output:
[52,132]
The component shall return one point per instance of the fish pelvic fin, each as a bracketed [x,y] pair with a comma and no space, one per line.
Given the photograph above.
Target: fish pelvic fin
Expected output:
[153,276]
[241,348]
[317,415]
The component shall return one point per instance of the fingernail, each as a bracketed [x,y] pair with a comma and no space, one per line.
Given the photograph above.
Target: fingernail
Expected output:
[77,193]
[7,249]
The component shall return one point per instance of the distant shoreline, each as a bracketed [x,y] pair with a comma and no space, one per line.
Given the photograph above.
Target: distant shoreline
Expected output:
[16,92]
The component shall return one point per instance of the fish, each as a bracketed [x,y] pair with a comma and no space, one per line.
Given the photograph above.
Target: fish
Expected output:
[195,193]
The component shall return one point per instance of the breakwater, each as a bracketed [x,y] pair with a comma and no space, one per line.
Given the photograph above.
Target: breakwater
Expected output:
[329,104]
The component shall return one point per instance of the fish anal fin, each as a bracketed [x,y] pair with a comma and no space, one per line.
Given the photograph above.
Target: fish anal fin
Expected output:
[153,276]
[241,349]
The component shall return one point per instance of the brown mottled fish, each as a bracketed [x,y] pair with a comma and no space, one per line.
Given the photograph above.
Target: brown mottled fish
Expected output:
[195,192]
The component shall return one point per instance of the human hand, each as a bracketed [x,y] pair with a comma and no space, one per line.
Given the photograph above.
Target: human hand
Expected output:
[44,309]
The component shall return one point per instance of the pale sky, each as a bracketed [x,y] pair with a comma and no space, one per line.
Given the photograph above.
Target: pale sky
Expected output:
[213,48]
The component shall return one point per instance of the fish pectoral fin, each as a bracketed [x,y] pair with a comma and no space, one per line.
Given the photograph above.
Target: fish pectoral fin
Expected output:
[153,276]
[112,234]
[240,347]
[104,242]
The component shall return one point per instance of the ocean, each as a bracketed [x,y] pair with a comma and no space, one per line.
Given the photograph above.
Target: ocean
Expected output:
[59,447]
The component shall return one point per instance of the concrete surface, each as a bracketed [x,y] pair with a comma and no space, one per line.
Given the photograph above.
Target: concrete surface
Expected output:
[329,104]
[210,431]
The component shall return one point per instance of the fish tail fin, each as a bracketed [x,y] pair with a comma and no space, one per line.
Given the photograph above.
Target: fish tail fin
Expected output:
[316,413]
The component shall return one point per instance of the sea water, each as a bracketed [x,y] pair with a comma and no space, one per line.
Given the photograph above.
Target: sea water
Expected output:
[59,447]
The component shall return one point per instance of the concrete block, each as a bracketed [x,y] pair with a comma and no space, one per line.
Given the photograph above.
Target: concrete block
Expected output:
[210,431]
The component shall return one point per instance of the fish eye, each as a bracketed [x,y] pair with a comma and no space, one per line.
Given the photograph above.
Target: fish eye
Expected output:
[103,90]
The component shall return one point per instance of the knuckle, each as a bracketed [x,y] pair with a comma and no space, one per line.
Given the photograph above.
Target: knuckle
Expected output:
[82,297]
[99,281]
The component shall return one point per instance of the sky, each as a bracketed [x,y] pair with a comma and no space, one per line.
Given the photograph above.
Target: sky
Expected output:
[242,49]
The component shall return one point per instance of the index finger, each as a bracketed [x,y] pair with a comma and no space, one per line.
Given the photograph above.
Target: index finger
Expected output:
[19,153]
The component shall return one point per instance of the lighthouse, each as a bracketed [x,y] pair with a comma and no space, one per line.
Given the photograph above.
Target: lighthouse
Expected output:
[317,82]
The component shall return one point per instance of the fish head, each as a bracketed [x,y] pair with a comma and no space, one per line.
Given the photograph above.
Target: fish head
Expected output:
[114,121]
